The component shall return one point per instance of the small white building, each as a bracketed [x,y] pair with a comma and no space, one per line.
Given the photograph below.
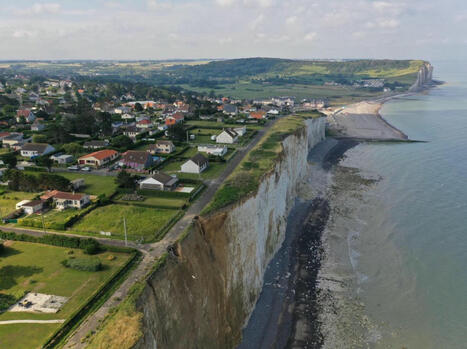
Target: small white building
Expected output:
[240,131]
[216,150]
[30,206]
[62,159]
[196,164]
[159,181]
[228,136]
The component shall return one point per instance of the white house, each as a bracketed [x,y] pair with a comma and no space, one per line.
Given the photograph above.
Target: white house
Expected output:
[240,131]
[196,164]
[30,206]
[62,158]
[216,150]
[64,200]
[159,181]
[30,150]
[228,136]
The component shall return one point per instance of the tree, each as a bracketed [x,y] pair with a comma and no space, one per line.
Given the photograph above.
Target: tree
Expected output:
[122,141]
[45,161]
[73,148]
[105,123]
[125,180]
[177,132]
[10,160]
[39,138]
[138,107]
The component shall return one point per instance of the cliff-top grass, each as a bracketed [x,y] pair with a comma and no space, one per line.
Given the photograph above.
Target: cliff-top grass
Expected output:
[245,179]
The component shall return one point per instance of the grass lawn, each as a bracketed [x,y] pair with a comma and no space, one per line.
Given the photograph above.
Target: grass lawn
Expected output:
[214,124]
[141,222]
[37,268]
[94,185]
[51,218]
[9,199]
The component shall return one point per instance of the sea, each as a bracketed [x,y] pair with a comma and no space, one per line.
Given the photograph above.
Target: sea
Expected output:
[409,248]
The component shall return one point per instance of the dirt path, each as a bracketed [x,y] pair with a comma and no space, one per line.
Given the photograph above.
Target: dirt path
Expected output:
[9,322]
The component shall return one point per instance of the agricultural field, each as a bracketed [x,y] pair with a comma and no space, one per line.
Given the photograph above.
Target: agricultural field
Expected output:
[30,267]
[142,223]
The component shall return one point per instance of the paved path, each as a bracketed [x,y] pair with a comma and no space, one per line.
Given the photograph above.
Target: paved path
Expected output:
[9,322]
[151,252]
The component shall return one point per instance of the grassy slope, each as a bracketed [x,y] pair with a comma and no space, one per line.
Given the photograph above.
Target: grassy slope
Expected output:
[35,267]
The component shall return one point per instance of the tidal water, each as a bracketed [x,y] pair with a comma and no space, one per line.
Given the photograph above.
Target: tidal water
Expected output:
[410,249]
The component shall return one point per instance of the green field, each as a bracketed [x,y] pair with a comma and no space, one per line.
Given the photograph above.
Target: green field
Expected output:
[155,201]
[94,185]
[52,219]
[9,199]
[29,267]
[142,223]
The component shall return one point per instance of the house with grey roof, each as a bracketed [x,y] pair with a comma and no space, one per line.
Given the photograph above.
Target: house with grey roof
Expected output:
[196,164]
[30,150]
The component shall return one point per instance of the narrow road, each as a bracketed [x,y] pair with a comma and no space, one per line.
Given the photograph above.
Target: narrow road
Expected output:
[153,251]
[10,322]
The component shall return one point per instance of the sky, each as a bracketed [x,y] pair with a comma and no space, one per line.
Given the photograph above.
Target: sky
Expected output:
[194,29]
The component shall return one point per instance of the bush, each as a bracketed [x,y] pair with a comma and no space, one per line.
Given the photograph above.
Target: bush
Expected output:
[6,301]
[2,247]
[83,264]
[90,246]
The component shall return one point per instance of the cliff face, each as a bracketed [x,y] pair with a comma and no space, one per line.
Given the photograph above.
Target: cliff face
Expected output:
[424,77]
[206,291]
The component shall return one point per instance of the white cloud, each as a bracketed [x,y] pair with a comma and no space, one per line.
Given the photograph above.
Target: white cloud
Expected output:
[389,23]
[310,36]
[225,2]
[291,20]
[41,8]
[256,22]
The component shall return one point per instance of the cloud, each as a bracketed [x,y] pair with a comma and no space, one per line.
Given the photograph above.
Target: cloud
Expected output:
[41,8]
[225,3]
[291,20]
[256,22]
[310,36]
[389,23]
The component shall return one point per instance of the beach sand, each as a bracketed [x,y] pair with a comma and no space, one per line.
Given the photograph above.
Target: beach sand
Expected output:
[362,121]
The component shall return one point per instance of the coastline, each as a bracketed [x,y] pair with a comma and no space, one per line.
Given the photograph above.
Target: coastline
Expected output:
[308,298]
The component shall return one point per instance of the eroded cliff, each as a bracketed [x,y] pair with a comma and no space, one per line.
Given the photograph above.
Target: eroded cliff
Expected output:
[205,292]
[424,78]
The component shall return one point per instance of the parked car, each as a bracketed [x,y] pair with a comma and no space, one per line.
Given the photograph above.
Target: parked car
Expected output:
[87,169]
[74,168]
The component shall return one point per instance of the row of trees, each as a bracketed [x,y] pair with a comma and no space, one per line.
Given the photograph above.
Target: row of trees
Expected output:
[18,180]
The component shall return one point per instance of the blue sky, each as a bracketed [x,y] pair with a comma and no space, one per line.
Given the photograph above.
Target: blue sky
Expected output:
[165,29]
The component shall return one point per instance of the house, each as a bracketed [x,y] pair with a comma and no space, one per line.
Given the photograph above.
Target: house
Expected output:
[240,130]
[216,150]
[95,144]
[13,140]
[27,114]
[64,200]
[98,158]
[135,159]
[37,126]
[161,147]
[132,132]
[144,124]
[159,181]
[174,119]
[30,150]
[273,112]
[62,159]
[77,183]
[228,136]
[122,110]
[258,115]
[127,116]
[196,164]
[30,206]
[230,109]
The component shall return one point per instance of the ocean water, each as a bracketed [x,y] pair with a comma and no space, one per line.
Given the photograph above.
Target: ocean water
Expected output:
[410,249]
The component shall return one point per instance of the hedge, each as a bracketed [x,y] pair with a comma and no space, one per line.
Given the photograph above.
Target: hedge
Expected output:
[83,264]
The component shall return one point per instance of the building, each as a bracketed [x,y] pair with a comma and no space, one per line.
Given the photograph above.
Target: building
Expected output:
[98,158]
[216,150]
[161,147]
[64,200]
[37,126]
[62,159]
[159,181]
[258,115]
[25,114]
[132,132]
[196,164]
[228,136]
[174,119]
[230,109]
[77,183]
[137,160]
[95,144]
[13,140]
[30,150]
[240,130]
[144,124]
[30,206]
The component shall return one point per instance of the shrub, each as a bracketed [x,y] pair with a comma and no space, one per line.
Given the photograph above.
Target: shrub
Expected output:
[6,301]
[84,264]
[90,246]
